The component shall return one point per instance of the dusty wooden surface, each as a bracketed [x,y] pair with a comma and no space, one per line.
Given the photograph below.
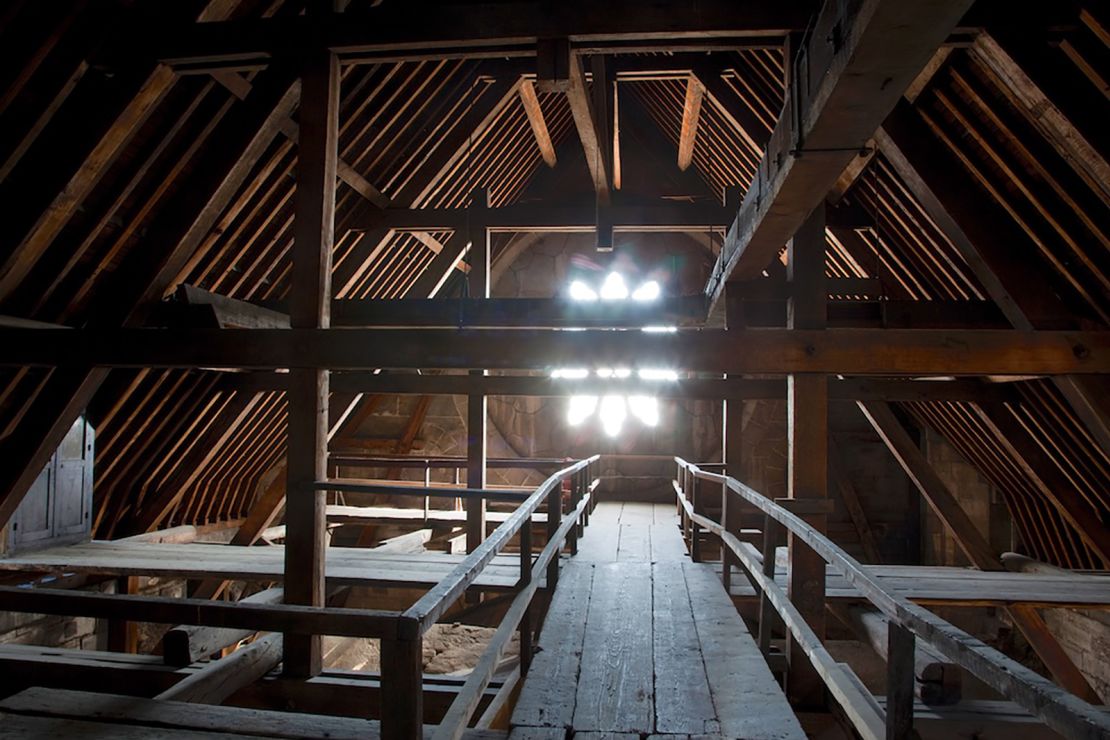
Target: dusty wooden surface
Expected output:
[640,641]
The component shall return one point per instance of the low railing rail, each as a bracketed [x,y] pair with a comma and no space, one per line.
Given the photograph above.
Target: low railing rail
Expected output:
[1056,707]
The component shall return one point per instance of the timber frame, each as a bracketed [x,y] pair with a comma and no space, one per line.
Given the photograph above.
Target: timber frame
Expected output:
[280,218]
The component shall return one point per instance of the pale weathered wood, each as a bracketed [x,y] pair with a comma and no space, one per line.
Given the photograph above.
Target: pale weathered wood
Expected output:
[147,714]
[615,686]
[187,644]
[547,698]
[223,677]
[536,120]
[748,700]
[682,694]
[691,113]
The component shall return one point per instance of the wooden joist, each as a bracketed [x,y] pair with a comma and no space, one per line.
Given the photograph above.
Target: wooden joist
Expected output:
[519,27]
[707,388]
[860,59]
[626,215]
[691,113]
[186,644]
[770,351]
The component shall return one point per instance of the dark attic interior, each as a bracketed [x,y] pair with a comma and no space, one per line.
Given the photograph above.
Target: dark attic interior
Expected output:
[555,369]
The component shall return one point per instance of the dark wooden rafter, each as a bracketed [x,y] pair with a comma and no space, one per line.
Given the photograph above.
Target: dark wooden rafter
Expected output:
[986,239]
[451,149]
[972,543]
[19,262]
[246,131]
[1041,470]
[841,94]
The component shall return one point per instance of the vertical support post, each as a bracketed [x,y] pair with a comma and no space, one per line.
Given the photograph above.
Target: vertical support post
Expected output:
[310,308]
[554,519]
[733,413]
[807,419]
[402,692]
[478,284]
[899,682]
[768,616]
[123,636]
[575,492]
[525,579]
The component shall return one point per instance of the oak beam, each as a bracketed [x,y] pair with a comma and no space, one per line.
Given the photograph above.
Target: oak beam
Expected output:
[807,408]
[590,130]
[857,66]
[917,352]
[691,113]
[310,303]
[536,120]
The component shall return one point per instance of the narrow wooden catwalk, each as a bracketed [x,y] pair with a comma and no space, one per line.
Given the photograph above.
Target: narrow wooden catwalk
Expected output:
[623,650]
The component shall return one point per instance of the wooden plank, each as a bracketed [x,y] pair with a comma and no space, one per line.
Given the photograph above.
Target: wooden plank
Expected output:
[536,120]
[682,697]
[845,92]
[547,698]
[15,726]
[748,700]
[615,686]
[764,351]
[157,716]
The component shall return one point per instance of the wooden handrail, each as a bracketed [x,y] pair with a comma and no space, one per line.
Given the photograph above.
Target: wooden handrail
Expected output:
[428,608]
[1059,709]
[354,485]
[458,715]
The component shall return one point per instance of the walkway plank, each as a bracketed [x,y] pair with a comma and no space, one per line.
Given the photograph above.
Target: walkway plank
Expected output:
[547,698]
[749,703]
[682,699]
[615,686]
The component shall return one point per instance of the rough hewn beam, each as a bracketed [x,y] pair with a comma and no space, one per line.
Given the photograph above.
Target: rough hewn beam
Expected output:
[857,66]
[772,351]
[590,131]
[536,120]
[691,112]
[310,308]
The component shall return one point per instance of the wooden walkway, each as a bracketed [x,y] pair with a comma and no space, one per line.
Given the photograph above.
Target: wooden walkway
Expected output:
[640,641]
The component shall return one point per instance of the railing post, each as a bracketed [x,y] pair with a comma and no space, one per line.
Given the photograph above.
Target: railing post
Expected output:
[695,530]
[572,535]
[554,518]
[525,579]
[402,688]
[899,682]
[772,531]
[726,561]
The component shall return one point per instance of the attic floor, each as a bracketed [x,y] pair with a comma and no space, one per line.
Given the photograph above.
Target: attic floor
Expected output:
[640,640]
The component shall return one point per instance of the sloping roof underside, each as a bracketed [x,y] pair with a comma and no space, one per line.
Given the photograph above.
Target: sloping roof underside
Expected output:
[158,429]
